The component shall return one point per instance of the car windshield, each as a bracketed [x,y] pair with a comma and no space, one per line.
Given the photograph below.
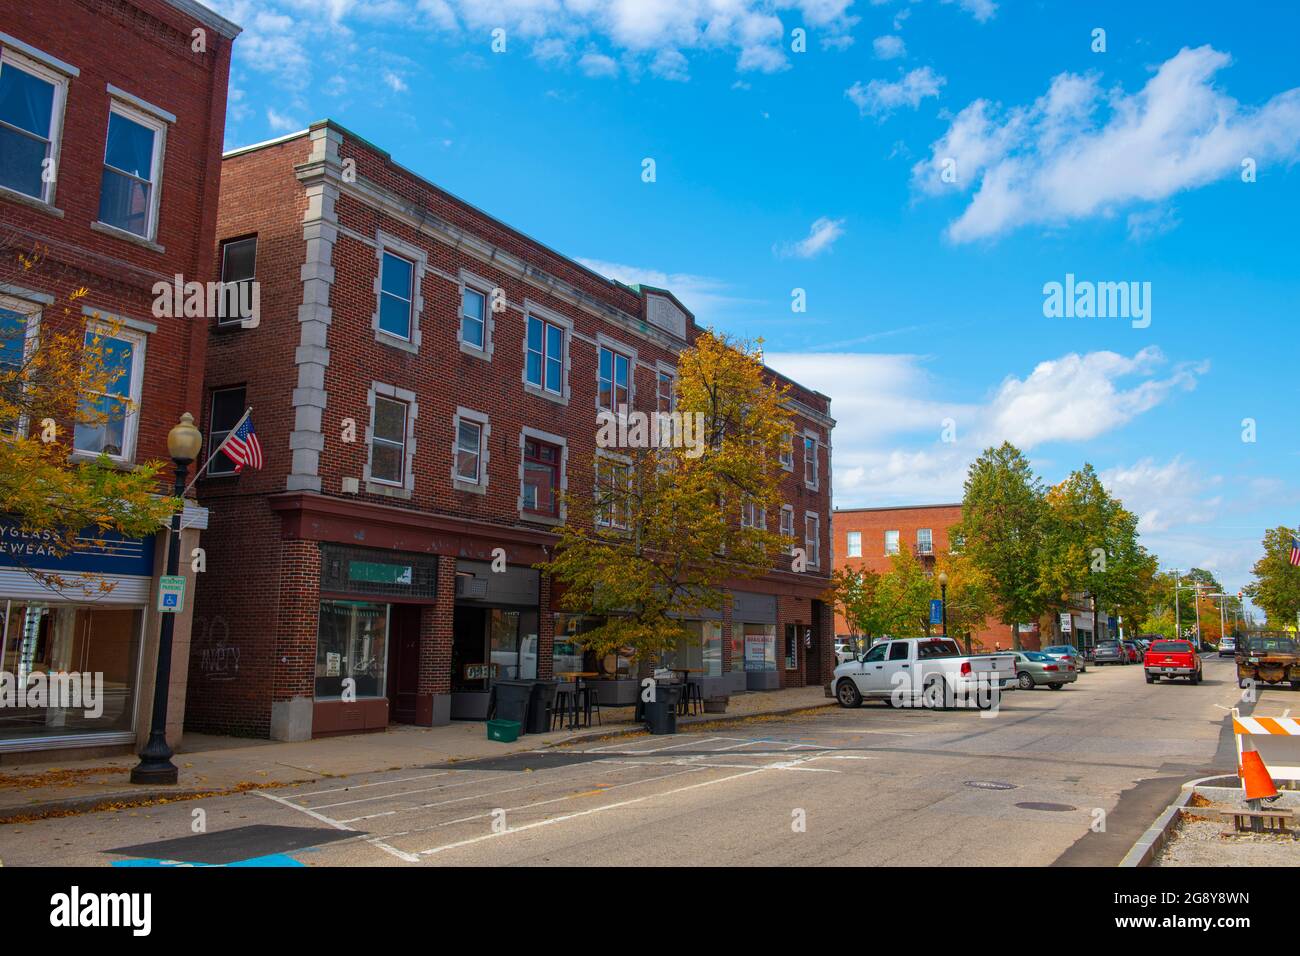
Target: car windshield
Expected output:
[1171,647]
[1271,645]
[1038,656]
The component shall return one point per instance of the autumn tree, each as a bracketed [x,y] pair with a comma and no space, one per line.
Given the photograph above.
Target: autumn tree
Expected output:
[970,600]
[853,592]
[56,377]
[1001,531]
[1276,587]
[680,508]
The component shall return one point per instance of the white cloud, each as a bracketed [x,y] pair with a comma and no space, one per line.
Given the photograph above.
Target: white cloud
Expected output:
[280,123]
[880,98]
[981,10]
[1080,151]
[1164,496]
[670,65]
[821,236]
[1078,397]
[889,47]
[705,296]
[597,65]
[395,82]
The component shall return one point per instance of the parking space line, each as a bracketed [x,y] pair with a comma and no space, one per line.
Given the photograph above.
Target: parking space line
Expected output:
[377,783]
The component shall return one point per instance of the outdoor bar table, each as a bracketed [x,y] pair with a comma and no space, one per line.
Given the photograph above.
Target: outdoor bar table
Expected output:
[577,677]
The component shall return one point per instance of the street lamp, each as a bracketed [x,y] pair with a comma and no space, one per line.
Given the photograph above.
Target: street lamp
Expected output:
[943,602]
[155,766]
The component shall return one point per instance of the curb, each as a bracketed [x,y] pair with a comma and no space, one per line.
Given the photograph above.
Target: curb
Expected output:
[691,722]
[71,806]
[1145,849]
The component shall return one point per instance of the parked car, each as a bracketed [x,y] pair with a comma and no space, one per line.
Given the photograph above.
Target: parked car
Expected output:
[1034,668]
[1068,652]
[919,668]
[1227,645]
[1109,652]
[1268,659]
[1135,653]
[1172,659]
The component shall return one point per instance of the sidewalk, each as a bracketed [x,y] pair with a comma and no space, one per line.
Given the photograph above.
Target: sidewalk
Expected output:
[216,765]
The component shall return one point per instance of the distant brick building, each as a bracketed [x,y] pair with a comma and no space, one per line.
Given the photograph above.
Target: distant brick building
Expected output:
[865,538]
[411,430]
[112,115]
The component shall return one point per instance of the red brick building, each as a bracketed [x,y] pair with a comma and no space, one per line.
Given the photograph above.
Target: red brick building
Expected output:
[866,538]
[424,380]
[112,115]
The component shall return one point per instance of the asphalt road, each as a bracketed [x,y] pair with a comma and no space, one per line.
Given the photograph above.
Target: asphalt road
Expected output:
[1068,777]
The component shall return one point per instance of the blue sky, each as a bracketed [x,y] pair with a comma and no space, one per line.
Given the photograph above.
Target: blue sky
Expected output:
[823,170]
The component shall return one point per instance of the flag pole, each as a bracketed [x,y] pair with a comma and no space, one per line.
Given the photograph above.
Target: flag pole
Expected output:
[199,474]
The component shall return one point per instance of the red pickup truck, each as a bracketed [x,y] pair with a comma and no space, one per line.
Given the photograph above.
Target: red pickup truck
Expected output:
[1172,659]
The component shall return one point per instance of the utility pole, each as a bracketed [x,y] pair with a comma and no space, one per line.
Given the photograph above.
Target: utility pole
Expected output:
[1178,616]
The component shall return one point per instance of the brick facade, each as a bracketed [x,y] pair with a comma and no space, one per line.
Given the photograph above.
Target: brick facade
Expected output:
[324,204]
[140,56]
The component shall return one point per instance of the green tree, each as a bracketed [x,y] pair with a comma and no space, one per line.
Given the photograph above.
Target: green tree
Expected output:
[1002,529]
[903,596]
[970,601]
[1276,587]
[667,526]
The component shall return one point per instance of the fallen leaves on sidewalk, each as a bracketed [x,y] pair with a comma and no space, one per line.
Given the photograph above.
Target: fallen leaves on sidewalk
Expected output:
[59,778]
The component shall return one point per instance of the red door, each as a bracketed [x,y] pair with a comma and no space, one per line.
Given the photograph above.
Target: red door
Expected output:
[403,663]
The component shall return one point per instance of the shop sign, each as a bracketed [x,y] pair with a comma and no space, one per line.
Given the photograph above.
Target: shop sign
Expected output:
[480,671]
[373,572]
[171,594]
[333,662]
[97,552]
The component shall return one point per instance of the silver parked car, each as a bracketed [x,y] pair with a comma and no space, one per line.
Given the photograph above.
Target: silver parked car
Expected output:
[1110,652]
[1068,652]
[1034,668]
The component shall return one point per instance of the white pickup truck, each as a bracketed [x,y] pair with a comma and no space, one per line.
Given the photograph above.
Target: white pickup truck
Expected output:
[931,670]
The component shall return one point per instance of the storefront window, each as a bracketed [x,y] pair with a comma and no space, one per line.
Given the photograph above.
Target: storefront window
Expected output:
[44,646]
[701,650]
[352,643]
[758,642]
[513,637]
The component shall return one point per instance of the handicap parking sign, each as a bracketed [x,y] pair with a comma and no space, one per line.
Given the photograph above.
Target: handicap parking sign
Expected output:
[171,594]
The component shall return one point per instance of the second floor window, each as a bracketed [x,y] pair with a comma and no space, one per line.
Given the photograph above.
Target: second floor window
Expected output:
[924,541]
[812,540]
[545,359]
[787,454]
[129,187]
[238,267]
[891,542]
[30,104]
[752,516]
[542,478]
[612,506]
[113,430]
[473,318]
[810,461]
[395,296]
[388,442]
[469,451]
[854,543]
[226,411]
[612,383]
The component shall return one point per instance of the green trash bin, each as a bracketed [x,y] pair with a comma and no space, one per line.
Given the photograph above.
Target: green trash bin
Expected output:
[506,731]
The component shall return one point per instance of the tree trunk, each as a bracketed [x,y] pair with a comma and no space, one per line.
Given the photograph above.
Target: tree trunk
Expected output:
[1015,636]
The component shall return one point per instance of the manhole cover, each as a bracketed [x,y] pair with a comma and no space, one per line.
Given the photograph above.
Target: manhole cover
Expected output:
[990,785]
[1053,807]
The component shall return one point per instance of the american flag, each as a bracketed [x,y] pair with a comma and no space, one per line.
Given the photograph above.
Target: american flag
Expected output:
[1295,551]
[242,447]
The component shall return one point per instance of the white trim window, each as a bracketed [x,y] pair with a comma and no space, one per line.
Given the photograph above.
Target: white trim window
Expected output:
[924,541]
[810,472]
[812,538]
[238,267]
[32,98]
[396,295]
[613,487]
[475,331]
[891,543]
[753,516]
[545,349]
[787,527]
[470,432]
[19,327]
[787,454]
[130,185]
[853,544]
[665,390]
[542,479]
[388,426]
[613,379]
[122,351]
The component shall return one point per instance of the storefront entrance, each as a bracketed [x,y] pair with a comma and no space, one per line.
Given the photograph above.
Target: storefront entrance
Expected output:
[494,633]
[403,663]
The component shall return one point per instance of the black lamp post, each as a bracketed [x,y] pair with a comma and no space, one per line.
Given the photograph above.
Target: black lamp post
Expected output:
[943,599]
[155,766]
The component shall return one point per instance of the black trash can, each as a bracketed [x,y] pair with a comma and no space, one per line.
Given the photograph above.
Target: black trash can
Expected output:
[540,702]
[508,700]
[660,714]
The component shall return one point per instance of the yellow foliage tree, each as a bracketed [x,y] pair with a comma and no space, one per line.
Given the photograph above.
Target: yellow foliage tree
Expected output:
[54,378]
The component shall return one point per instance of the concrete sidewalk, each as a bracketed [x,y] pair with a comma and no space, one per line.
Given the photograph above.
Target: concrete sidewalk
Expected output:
[215,765]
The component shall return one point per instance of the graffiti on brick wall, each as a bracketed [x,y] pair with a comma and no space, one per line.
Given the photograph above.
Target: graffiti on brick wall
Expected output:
[218,658]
